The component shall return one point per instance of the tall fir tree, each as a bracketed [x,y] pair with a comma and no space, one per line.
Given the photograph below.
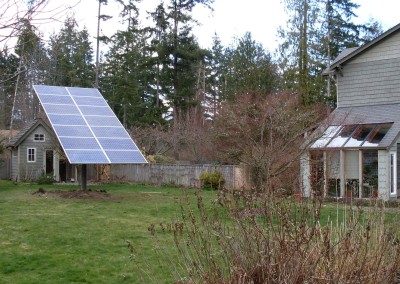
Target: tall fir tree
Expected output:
[9,63]
[251,68]
[317,31]
[32,69]
[71,57]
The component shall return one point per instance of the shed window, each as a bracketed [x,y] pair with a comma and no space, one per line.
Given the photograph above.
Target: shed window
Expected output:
[31,155]
[38,137]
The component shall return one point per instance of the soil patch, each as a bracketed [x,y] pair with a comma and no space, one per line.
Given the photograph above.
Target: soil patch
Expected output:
[75,194]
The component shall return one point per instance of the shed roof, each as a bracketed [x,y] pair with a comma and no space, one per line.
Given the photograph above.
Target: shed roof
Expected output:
[349,53]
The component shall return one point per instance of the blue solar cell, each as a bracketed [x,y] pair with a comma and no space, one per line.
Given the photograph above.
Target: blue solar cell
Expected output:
[92,110]
[73,131]
[117,144]
[85,92]
[43,90]
[57,99]
[123,157]
[86,157]
[90,101]
[103,121]
[79,143]
[116,132]
[63,119]
[60,109]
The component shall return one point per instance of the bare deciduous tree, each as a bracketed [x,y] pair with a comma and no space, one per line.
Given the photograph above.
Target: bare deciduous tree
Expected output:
[265,133]
[14,13]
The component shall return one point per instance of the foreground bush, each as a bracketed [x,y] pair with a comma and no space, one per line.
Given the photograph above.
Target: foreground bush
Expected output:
[251,238]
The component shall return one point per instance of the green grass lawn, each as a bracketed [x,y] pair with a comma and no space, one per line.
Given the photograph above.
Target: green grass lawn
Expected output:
[47,239]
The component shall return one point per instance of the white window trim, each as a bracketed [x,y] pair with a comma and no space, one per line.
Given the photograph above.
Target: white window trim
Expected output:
[393,175]
[34,155]
[39,140]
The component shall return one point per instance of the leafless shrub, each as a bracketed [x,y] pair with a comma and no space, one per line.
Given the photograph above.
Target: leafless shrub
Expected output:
[255,238]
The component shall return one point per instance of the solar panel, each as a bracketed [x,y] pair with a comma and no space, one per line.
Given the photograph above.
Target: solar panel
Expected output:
[86,127]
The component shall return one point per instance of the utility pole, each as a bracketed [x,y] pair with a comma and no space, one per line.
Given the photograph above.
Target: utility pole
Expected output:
[96,83]
[328,81]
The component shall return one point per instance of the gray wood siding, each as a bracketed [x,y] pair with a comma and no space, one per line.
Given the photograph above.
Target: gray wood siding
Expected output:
[373,77]
[30,171]
[386,49]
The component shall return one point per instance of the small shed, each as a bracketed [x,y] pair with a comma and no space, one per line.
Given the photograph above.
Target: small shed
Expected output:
[35,151]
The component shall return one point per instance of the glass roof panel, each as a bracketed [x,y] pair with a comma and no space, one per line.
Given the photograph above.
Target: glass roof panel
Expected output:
[329,133]
[359,135]
[377,135]
[341,138]
[353,136]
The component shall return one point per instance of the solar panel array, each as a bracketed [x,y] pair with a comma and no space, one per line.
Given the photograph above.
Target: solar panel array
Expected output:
[86,127]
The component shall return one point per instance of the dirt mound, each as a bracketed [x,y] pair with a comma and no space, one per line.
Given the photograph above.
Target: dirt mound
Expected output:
[75,194]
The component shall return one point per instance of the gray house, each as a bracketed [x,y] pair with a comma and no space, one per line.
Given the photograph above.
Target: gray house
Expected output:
[35,151]
[357,150]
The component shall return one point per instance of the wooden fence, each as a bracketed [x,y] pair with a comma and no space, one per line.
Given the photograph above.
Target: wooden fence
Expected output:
[180,175]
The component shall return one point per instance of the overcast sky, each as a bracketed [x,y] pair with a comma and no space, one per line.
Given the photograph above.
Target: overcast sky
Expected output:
[230,18]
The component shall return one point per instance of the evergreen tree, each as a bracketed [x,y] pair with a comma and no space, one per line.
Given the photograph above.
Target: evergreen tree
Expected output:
[295,50]
[181,55]
[243,67]
[217,78]
[250,68]
[71,57]
[317,31]
[343,32]
[31,70]
[8,75]
[129,77]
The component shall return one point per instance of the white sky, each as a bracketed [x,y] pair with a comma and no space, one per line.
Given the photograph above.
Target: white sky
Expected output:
[230,18]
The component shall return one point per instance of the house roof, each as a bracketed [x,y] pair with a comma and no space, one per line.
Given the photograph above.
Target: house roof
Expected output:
[350,53]
[341,55]
[27,130]
[376,114]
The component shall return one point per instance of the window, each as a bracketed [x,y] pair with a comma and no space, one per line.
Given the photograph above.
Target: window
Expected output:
[31,155]
[38,137]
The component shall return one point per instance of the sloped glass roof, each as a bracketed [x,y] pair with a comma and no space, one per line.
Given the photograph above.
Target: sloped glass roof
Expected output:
[352,136]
